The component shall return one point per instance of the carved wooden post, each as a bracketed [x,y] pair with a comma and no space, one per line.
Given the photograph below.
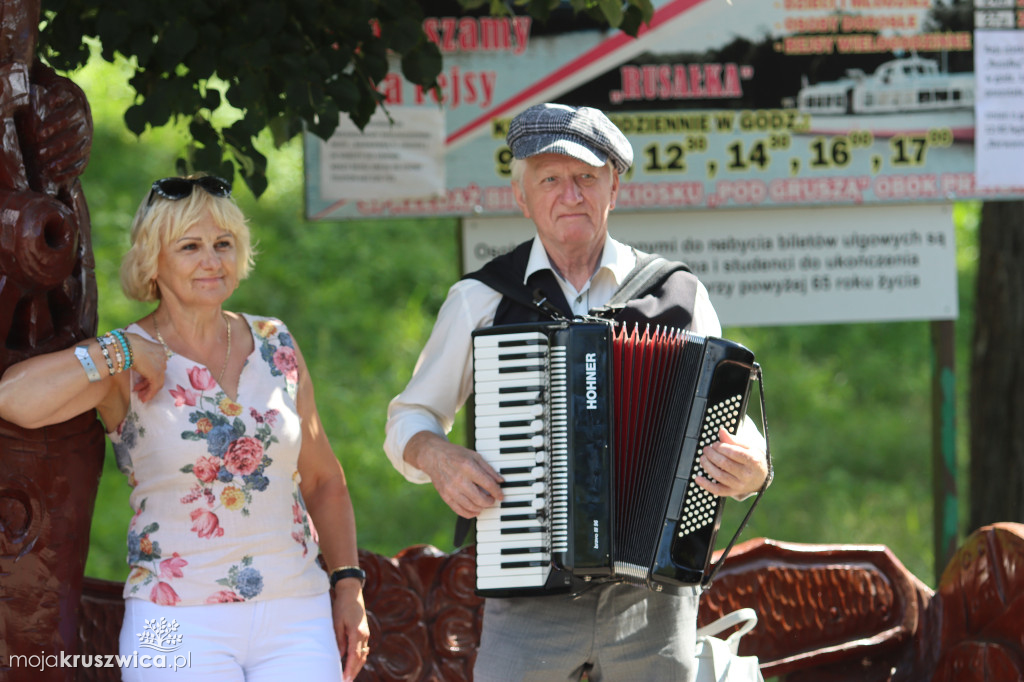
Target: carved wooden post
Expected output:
[48,477]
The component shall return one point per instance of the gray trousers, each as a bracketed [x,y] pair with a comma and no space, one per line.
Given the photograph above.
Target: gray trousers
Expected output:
[613,633]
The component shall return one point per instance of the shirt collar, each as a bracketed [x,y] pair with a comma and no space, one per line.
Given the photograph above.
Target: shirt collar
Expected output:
[617,259]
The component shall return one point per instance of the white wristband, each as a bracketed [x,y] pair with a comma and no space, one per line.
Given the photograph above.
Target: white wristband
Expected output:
[82,353]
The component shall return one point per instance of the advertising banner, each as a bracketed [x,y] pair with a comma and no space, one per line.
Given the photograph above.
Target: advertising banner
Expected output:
[749,103]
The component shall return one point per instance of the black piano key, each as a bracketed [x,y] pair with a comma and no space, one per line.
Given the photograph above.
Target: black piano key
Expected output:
[520,450]
[519,389]
[519,517]
[515,424]
[518,403]
[506,357]
[524,368]
[509,471]
[511,551]
[522,531]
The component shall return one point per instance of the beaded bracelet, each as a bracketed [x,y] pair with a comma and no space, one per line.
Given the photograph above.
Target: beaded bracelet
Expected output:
[116,348]
[119,335]
[102,340]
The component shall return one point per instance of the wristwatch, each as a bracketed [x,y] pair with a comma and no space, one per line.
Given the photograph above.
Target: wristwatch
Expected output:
[348,572]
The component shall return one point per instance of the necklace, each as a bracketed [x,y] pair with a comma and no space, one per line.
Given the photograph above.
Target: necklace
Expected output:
[169,353]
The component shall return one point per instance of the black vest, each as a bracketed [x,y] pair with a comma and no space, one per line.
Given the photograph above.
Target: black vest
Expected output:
[668,302]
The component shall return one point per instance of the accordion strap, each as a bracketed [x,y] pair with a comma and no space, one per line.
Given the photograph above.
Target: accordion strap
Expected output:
[650,271]
[706,582]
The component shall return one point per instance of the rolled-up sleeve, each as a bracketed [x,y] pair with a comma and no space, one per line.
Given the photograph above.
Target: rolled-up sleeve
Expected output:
[443,377]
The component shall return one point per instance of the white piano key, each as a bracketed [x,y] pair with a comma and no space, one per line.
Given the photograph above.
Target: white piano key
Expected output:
[499,462]
[511,413]
[535,395]
[503,523]
[480,375]
[499,419]
[518,380]
[496,444]
[497,559]
[540,572]
[509,364]
[484,352]
[532,500]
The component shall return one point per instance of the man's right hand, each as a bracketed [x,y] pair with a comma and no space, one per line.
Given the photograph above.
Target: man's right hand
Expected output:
[465,481]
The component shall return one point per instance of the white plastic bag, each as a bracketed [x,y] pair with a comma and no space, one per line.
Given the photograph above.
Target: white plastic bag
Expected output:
[717,659]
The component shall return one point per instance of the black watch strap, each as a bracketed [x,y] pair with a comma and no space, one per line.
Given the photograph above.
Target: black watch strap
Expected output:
[348,572]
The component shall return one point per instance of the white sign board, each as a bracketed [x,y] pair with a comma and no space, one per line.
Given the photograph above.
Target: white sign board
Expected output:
[999,64]
[399,153]
[783,267]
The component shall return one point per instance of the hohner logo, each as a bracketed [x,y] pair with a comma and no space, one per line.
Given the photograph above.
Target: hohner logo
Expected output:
[591,364]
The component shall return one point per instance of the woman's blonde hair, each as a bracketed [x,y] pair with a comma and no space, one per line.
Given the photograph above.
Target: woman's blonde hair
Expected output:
[159,221]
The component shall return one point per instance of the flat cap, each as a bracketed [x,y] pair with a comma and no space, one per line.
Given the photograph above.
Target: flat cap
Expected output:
[584,133]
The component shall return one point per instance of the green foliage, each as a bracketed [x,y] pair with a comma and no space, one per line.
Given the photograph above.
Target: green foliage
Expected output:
[288,66]
[228,71]
[848,405]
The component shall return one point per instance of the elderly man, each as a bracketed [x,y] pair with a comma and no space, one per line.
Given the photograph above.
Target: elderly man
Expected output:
[565,177]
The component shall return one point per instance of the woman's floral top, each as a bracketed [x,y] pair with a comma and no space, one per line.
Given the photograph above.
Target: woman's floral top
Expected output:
[218,513]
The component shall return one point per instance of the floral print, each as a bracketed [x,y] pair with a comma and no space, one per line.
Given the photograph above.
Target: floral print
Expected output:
[281,358]
[235,460]
[143,551]
[244,580]
[229,448]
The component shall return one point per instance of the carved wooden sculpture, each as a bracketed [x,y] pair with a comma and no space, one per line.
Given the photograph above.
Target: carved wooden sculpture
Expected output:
[48,477]
[826,613]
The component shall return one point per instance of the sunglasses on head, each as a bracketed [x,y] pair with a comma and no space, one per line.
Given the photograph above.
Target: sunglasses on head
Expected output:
[174,189]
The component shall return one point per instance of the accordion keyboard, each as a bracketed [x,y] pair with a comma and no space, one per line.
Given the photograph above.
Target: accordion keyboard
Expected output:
[514,538]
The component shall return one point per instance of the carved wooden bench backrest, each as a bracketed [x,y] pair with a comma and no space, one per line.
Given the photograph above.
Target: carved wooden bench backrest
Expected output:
[825,613]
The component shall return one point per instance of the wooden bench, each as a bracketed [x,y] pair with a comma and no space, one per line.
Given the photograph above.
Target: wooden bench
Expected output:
[827,613]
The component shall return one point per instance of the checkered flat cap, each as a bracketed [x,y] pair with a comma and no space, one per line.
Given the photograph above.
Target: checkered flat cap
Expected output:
[583,133]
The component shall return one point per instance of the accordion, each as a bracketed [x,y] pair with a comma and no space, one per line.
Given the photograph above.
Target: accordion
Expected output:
[597,431]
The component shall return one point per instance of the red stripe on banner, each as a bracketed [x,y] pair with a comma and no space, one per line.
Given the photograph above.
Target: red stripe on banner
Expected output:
[616,42]
[329,210]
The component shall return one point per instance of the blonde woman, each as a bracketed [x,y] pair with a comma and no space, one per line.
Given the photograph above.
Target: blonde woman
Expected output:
[212,417]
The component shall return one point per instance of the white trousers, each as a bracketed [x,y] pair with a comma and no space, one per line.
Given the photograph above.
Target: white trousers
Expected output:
[259,641]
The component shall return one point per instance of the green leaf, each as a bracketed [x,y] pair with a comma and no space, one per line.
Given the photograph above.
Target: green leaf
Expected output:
[202,132]
[422,64]
[612,11]
[135,118]
[211,100]
[344,92]
[326,120]
[646,8]
[112,28]
[632,20]
[257,183]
